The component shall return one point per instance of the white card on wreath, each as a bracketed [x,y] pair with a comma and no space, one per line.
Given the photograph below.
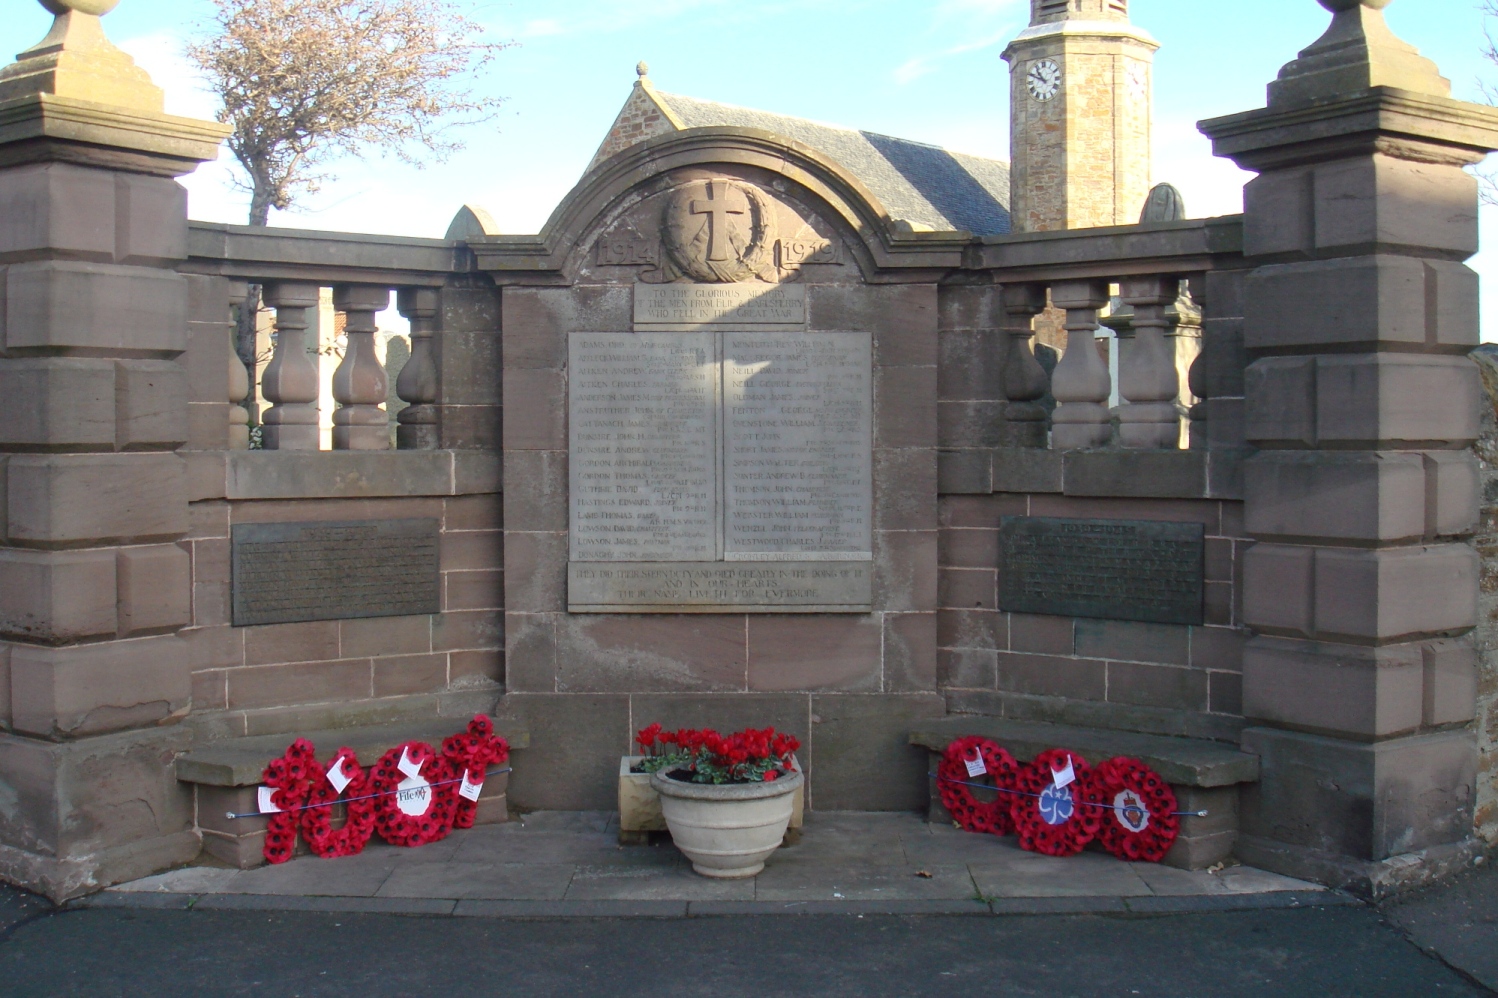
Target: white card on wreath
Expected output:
[975,767]
[407,766]
[470,790]
[265,804]
[336,777]
[1066,776]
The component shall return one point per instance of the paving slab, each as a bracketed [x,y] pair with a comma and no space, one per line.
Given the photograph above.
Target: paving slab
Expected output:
[571,909]
[566,864]
[350,876]
[17,906]
[615,882]
[1052,876]
[512,881]
[351,905]
[188,880]
[815,881]
[1457,921]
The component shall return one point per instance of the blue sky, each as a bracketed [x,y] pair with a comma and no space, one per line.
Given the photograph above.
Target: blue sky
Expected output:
[922,69]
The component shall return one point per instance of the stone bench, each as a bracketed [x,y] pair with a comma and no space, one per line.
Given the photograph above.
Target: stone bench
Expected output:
[1205,775]
[226,773]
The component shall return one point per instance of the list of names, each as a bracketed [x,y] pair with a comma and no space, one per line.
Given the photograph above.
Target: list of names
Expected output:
[797,446]
[643,442]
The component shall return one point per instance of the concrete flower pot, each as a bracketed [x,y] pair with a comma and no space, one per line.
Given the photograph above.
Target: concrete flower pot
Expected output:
[640,805]
[727,830]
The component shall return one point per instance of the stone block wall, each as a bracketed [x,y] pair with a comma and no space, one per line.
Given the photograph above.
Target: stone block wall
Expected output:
[274,678]
[1164,678]
[1486,539]
[318,674]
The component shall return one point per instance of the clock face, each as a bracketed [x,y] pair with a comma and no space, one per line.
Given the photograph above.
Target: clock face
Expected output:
[1139,79]
[1044,80]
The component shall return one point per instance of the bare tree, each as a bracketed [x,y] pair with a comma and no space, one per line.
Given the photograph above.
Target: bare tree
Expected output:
[305,81]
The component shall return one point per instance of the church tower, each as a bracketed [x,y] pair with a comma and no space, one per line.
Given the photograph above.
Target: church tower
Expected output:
[1080,116]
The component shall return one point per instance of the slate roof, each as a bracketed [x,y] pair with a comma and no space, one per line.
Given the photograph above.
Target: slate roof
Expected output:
[926,185]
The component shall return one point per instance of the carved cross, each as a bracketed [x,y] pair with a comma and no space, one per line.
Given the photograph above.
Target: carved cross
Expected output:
[720,205]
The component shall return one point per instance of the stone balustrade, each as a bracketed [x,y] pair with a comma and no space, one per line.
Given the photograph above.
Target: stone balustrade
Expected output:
[1144,381]
[360,386]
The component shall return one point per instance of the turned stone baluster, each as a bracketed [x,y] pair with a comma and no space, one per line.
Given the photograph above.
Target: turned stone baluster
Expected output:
[1216,377]
[238,381]
[1025,381]
[360,384]
[1080,382]
[1147,377]
[290,379]
[417,383]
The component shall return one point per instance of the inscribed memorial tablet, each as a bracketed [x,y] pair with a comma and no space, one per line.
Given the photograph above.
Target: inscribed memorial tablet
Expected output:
[288,572]
[749,304]
[643,439]
[720,587]
[797,446]
[1113,569]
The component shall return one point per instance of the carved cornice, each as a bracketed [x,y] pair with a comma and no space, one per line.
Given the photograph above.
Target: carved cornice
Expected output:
[1401,123]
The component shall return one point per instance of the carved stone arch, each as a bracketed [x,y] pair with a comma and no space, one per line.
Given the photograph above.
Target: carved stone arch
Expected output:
[873,239]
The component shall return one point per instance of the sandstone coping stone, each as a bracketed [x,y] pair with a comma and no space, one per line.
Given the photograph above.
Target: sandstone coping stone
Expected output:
[359,474]
[239,762]
[1182,761]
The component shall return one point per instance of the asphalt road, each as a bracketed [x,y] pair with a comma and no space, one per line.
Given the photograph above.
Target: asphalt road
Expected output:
[1306,951]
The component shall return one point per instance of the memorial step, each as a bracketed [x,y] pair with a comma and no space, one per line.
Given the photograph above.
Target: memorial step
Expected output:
[224,775]
[1205,775]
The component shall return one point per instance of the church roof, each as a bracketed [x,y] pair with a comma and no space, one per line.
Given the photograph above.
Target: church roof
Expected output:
[926,186]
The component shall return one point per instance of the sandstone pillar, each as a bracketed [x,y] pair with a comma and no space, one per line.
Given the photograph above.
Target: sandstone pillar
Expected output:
[1361,589]
[93,406]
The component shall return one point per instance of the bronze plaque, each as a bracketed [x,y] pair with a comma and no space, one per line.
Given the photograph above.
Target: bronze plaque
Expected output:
[1114,569]
[289,572]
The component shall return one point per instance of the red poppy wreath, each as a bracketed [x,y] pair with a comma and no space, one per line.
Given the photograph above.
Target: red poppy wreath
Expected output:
[1052,815]
[342,774]
[413,796]
[469,755]
[966,761]
[288,783]
[1140,823]
[414,806]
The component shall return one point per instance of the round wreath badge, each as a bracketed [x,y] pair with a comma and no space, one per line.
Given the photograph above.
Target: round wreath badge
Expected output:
[968,760]
[414,805]
[1055,810]
[1141,823]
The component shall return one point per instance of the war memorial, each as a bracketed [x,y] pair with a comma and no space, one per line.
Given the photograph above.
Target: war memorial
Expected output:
[772,423]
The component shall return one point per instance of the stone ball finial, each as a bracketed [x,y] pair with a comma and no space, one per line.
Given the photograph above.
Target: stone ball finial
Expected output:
[642,69]
[98,8]
[1338,6]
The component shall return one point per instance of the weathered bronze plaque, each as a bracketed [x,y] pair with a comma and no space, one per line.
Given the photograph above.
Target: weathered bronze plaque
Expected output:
[1114,569]
[288,572]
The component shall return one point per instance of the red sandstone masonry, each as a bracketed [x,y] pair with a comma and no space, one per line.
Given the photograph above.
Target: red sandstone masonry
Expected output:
[1129,663]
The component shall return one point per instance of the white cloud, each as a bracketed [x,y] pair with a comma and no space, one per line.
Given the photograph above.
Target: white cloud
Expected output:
[541,28]
[162,55]
[914,69]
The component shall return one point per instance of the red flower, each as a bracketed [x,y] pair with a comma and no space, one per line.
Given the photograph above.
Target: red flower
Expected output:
[772,776]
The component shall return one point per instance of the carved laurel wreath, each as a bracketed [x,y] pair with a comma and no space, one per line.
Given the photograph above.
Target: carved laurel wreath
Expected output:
[687,239]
